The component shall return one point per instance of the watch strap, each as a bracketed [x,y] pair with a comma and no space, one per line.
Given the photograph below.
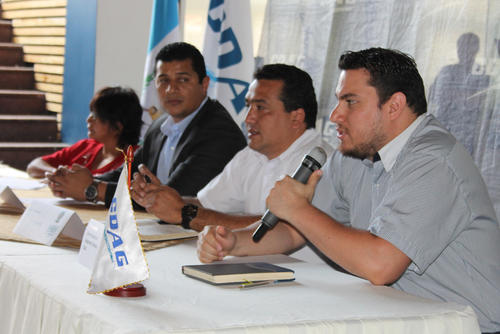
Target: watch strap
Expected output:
[188,212]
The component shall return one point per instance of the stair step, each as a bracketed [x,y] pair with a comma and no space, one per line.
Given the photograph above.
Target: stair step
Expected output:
[28,128]
[11,54]
[16,77]
[5,31]
[19,155]
[25,102]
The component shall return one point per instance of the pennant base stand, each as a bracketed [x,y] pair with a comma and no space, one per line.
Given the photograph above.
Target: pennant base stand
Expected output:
[132,290]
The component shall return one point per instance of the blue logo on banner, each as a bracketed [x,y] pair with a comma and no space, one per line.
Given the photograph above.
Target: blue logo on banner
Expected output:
[230,58]
[121,257]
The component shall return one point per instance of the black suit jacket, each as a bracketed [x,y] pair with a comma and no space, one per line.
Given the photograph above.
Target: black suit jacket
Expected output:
[205,147]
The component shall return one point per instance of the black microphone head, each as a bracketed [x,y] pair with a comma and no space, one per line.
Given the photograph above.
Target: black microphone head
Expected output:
[318,154]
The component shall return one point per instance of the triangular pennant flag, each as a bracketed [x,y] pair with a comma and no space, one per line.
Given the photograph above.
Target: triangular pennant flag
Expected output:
[120,260]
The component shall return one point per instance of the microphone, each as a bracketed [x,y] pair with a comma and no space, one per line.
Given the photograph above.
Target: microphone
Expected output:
[312,161]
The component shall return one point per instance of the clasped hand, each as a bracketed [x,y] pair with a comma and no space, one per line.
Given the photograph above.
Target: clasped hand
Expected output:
[214,243]
[70,182]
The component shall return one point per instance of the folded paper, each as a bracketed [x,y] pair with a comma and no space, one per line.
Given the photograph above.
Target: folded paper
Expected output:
[43,223]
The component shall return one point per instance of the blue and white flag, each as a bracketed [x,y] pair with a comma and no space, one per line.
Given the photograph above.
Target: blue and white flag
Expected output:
[164,30]
[228,52]
[120,260]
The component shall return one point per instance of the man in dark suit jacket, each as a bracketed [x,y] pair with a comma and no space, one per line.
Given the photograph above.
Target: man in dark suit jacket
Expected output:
[207,143]
[210,140]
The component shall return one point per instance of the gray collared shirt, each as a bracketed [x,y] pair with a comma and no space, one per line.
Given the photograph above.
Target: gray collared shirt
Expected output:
[432,205]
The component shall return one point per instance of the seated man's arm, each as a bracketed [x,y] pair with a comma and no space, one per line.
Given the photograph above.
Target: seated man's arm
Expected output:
[216,242]
[207,217]
[166,203]
[360,252]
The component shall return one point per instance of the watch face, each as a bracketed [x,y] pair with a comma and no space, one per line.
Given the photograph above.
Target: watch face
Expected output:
[190,211]
[91,193]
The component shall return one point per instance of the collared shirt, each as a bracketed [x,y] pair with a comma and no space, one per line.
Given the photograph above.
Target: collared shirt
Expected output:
[173,131]
[390,151]
[431,204]
[245,182]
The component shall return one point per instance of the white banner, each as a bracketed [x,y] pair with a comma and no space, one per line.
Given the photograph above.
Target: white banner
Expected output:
[457,53]
[120,260]
[228,52]
[164,30]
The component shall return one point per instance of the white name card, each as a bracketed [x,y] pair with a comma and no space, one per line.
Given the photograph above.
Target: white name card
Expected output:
[91,243]
[44,222]
[9,201]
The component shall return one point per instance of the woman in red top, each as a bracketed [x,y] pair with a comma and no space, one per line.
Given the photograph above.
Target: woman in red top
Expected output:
[114,122]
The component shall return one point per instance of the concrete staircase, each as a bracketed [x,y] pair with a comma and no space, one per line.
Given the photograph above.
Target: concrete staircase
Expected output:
[27,129]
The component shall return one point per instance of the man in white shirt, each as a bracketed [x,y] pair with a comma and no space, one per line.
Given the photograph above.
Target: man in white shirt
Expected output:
[281,118]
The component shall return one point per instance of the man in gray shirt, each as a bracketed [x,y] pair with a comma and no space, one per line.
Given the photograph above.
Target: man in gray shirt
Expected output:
[400,203]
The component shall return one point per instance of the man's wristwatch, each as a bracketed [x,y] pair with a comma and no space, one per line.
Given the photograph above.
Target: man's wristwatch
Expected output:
[91,192]
[189,211]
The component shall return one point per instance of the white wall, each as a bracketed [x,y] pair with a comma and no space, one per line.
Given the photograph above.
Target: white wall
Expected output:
[123,35]
[121,42]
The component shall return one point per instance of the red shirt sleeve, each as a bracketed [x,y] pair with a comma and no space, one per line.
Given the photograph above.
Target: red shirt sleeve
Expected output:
[82,152]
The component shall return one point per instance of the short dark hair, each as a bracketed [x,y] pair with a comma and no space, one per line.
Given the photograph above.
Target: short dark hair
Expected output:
[118,105]
[297,91]
[183,51]
[390,71]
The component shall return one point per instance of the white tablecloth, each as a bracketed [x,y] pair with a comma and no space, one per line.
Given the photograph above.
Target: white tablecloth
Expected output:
[43,290]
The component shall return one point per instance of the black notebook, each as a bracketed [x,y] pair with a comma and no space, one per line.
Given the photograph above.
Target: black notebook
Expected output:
[227,273]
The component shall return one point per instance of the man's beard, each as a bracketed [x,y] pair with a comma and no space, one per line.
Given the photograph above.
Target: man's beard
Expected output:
[369,147]
[360,152]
